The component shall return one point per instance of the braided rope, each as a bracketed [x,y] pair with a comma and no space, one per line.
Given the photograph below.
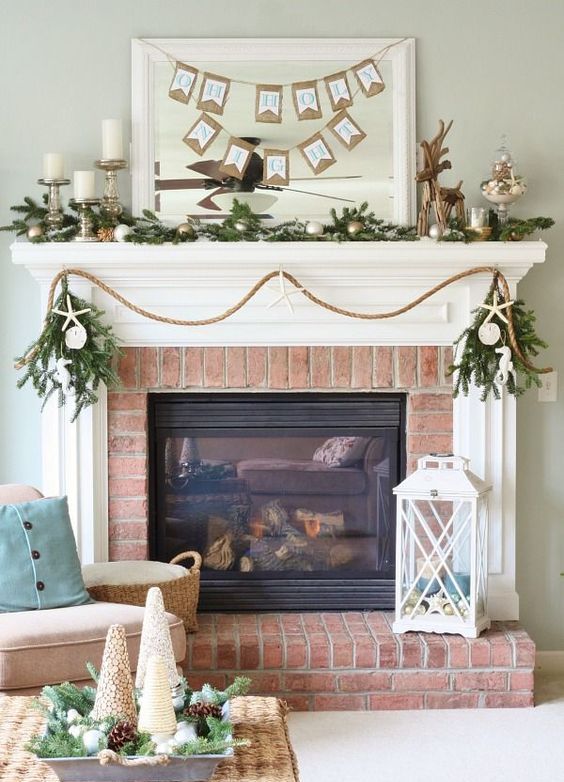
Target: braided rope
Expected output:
[498,276]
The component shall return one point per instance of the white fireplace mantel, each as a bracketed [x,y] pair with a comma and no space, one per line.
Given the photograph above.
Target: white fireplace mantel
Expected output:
[203,279]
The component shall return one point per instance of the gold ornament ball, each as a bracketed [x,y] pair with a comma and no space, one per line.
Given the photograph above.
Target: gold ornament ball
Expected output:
[354,227]
[314,228]
[185,229]
[240,226]
[34,232]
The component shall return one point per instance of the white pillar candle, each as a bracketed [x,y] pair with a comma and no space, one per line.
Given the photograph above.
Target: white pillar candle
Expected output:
[53,166]
[112,143]
[84,184]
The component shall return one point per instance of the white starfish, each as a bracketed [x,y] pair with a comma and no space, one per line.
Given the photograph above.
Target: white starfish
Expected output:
[495,309]
[70,314]
[284,294]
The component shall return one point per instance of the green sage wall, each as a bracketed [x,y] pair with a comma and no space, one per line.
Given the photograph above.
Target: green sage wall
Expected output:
[492,67]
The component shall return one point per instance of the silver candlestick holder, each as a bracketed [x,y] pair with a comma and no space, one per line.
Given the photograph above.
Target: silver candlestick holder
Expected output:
[86,226]
[110,205]
[54,217]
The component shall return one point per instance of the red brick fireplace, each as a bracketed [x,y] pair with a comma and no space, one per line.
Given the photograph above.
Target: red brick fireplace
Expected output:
[316,660]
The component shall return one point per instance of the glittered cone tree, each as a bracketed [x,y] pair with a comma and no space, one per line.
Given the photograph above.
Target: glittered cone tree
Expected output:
[114,696]
[156,715]
[156,640]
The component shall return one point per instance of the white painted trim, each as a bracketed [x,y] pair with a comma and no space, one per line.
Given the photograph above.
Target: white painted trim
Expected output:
[145,53]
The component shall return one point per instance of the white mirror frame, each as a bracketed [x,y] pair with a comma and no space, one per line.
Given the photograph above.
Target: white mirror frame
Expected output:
[146,52]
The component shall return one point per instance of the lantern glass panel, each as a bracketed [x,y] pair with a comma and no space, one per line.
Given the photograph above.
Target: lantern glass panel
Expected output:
[437,555]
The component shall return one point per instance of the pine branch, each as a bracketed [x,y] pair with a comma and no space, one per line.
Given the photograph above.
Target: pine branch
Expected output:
[91,365]
[478,364]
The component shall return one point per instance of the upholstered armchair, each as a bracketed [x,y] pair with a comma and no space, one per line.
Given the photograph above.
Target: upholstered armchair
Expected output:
[53,645]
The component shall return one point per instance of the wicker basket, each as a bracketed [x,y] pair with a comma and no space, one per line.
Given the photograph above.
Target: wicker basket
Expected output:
[180,595]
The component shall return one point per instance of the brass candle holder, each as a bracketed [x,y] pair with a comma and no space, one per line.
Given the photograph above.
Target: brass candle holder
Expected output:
[54,217]
[86,228]
[110,205]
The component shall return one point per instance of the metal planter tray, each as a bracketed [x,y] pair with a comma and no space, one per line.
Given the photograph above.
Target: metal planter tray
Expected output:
[197,768]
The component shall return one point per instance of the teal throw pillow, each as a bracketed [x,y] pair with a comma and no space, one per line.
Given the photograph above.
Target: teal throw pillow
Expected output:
[39,565]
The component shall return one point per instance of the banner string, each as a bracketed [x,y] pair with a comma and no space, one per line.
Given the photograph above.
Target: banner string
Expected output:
[377,57]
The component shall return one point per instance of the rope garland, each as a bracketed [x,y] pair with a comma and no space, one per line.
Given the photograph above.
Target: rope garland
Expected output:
[497,275]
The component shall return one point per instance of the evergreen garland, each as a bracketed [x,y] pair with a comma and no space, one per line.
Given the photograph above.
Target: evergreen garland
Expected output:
[57,742]
[90,366]
[243,225]
[478,363]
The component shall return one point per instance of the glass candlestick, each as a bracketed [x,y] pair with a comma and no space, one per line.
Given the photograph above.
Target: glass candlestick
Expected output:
[110,205]
[86,229]
[54,217]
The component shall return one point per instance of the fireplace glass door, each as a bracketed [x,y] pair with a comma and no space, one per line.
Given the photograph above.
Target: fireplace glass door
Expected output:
[287,497]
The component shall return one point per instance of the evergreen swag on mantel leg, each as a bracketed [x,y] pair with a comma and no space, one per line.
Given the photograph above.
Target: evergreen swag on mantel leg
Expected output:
[478,364]
[47,359]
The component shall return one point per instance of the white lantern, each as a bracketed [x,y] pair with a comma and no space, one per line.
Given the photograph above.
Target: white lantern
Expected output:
[442,549]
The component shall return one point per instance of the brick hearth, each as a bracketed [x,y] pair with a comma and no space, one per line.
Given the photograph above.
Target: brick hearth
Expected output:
[329,661]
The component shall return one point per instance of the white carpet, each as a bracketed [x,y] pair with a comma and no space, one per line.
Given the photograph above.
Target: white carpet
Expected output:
[489,745]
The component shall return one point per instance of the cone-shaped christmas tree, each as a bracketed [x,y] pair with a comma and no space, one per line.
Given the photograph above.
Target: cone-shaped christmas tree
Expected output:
[156,715]
[156,640]
[114,696]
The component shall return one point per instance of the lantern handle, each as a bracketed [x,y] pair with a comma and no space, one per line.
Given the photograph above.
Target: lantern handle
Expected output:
[442,461]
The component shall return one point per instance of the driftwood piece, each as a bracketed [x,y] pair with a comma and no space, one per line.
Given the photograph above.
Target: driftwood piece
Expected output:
[442,200]
[220,554]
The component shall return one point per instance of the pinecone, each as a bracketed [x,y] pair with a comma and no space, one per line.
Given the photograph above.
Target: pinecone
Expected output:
[105,234]
[121,734]
[202,710]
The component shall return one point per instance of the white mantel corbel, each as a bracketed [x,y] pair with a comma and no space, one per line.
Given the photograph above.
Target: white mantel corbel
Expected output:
[202,279]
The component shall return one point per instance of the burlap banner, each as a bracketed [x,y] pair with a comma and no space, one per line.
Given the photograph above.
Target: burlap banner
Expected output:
[268,103]
[202,133]
[276,167]
[368,77]
[338,90]
[213,93]
[183,82]
[317,153]
[346,130]
[237,157]
[306,100]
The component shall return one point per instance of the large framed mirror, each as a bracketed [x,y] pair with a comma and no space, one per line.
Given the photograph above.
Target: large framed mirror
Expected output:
[294,127]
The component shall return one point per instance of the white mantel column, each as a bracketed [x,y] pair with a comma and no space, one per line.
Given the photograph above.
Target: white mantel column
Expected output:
[485,433]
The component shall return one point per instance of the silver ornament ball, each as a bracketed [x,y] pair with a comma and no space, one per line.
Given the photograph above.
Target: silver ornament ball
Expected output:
[185,229]
[354,227]
[35,231]
[240,226]
[314,228]
[435,231]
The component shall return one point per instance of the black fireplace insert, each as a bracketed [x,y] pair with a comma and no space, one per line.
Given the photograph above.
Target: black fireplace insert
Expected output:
[286,496]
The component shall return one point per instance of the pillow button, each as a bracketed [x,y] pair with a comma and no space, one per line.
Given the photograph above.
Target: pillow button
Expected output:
[35,554]
[40,586]
[28,525]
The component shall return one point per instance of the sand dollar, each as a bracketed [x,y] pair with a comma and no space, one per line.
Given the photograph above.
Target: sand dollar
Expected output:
[489,333]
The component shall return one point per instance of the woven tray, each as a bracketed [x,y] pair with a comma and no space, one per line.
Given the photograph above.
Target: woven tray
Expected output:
[269,758]
[180,595]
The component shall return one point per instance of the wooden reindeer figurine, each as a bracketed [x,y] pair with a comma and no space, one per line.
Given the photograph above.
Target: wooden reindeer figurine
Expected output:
[442,199]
